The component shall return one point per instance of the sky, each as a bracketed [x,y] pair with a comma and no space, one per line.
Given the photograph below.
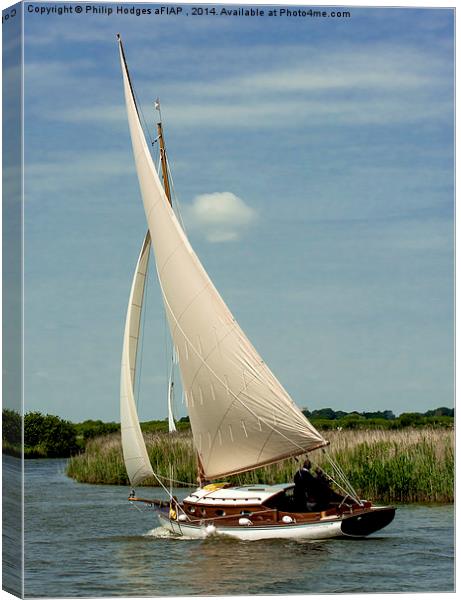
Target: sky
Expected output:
[313,163]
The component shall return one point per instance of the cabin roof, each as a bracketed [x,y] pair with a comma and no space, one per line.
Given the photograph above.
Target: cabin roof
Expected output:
[246,495]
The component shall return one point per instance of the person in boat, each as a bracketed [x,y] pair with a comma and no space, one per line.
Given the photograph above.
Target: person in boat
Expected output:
[324,492]
[312,492]
[305,488]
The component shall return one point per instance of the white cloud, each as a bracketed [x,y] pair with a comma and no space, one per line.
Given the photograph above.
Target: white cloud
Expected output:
[221,216]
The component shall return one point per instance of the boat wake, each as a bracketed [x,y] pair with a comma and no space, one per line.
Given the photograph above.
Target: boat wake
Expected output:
[158,532]
[161,532]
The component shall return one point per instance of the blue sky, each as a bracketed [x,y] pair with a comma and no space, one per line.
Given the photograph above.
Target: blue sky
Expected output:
[313,160]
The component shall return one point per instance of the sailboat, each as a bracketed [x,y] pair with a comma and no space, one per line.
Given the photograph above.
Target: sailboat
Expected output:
[241,416]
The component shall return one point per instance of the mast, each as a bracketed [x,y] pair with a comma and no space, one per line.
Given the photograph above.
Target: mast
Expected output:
[166,181]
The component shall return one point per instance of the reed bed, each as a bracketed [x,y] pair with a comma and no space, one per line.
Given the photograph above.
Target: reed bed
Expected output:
[409,465]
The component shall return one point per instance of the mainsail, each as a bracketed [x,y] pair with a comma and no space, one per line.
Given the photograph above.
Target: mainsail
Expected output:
[241,416]
[134,449]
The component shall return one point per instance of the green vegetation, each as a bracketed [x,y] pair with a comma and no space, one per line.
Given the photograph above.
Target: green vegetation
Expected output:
[48,436]
[410,459]
[101,459]
[413,465]
[327,418]
[45,436]
[90,429]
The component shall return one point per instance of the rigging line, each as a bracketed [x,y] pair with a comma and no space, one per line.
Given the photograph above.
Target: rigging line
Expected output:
[172,499]
[342,476]
[169,171]
[146,126]
[185,483]
[337,470]
[269,425]
[166,349]
[341,487]
[175,196]
[346,486]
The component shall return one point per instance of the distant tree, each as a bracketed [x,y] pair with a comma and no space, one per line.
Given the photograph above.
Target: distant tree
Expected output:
[34,428]
[411,419]
[89,429]
[327,418]
[323,413]
[340,414]
[442,411]
[386,414]
[352,421]
[49,435]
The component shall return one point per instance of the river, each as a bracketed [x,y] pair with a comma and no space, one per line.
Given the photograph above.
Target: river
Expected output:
[87,541]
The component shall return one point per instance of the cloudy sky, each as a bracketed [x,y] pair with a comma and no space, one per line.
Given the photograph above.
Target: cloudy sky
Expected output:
[313,162]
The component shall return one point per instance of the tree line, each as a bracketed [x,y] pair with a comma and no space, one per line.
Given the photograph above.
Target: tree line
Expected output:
[327,418]
[50,436]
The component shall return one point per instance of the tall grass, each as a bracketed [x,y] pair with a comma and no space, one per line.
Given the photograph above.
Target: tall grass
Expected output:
[411,465]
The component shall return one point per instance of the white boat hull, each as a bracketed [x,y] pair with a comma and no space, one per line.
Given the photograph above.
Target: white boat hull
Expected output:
[309,531]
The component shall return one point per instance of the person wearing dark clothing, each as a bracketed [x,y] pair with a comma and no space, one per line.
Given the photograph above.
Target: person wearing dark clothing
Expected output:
[312,492]
[305,489]
[325,494]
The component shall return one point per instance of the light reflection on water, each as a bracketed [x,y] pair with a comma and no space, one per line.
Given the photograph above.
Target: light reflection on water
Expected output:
[84,540]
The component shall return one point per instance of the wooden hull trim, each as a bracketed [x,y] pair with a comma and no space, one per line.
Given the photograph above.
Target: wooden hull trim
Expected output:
[347,525]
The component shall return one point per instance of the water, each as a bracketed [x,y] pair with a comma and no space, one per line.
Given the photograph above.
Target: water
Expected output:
[84,540]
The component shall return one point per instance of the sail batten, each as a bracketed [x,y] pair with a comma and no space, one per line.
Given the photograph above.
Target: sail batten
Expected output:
[225,380]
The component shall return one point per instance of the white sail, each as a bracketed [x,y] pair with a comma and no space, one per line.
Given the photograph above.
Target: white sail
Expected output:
[241,416]
[134,449]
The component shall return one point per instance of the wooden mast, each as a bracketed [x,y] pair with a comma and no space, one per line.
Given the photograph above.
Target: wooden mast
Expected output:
[166,181]
[166,185]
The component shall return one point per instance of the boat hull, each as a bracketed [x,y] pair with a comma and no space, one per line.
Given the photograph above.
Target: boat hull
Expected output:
[356,525]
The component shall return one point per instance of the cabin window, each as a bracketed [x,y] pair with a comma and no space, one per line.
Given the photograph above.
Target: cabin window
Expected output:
[191,509]
[203,512]
[220,513]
